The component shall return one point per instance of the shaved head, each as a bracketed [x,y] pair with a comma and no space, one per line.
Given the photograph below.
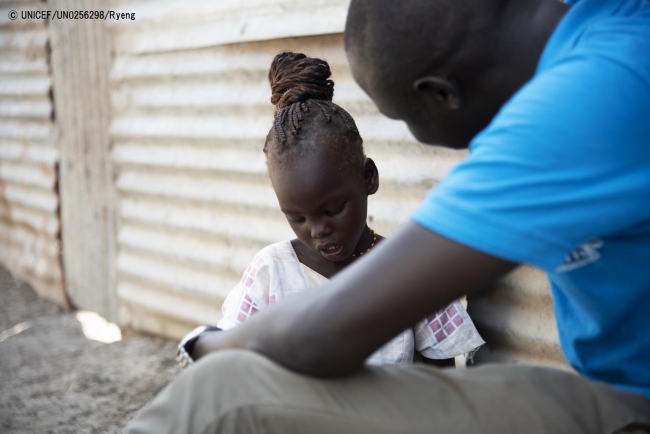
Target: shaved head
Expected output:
[446,67]
[415,37]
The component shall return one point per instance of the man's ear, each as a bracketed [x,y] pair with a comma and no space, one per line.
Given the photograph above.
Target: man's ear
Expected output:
[443,90]
[370,176]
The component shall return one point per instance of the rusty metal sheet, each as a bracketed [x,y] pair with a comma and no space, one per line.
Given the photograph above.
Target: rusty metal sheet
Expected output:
[29,221]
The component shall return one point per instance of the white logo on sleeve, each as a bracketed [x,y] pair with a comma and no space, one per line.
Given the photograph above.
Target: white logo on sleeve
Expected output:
[584,254]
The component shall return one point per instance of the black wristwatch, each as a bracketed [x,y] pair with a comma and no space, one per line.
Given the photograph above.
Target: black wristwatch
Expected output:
[186,347]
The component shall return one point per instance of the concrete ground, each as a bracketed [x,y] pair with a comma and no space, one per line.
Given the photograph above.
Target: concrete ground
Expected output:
[55,380]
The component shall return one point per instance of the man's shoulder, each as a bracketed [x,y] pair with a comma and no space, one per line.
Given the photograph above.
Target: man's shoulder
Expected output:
[612,30]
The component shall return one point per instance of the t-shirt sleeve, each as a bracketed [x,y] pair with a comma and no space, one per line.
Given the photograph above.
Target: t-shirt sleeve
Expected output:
[249,296]
[566,161]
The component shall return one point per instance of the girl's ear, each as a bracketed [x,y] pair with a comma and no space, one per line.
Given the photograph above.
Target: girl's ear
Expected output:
[370,176]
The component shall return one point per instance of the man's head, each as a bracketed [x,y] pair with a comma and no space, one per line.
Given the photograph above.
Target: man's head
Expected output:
[445,67]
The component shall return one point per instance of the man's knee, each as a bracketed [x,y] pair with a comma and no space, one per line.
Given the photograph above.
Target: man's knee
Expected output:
[229,361]
[215,386]
[233,374]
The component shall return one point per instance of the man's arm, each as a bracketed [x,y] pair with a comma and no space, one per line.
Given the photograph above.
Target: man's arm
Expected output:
[330,331]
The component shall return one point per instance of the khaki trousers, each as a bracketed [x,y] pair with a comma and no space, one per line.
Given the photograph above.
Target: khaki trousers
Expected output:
[242,392]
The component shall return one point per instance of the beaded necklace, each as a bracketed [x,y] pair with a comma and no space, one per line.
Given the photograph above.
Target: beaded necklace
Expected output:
[374,239]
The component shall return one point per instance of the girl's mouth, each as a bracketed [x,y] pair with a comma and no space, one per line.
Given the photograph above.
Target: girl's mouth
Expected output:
[332,252]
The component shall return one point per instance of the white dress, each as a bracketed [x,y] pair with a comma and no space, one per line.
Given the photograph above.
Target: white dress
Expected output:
[275,272]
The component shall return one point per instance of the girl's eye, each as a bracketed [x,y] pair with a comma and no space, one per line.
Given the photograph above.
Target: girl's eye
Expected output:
[338,210]
[296,220]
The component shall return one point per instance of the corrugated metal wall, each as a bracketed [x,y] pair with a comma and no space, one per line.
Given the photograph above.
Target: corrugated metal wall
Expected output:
[189,124]
[516,319]
[29,221]
[191,109]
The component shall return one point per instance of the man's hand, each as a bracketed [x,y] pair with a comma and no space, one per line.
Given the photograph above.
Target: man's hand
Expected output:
[331,330]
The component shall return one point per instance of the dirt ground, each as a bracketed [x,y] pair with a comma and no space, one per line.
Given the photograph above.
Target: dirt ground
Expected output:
[54,380]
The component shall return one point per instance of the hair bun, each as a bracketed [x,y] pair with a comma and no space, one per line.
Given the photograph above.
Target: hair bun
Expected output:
[295,77]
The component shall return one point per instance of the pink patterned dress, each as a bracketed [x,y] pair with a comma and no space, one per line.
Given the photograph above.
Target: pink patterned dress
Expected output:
[275,273]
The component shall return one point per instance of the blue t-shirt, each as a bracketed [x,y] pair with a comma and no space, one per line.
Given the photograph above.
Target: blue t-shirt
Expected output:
[561,179]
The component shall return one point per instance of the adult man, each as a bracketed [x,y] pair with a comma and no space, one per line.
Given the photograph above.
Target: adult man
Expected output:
[560,179]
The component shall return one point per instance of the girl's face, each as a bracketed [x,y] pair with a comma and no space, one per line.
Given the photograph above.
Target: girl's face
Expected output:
[325,204]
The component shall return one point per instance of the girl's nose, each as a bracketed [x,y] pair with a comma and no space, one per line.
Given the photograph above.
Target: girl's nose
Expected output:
[320,229]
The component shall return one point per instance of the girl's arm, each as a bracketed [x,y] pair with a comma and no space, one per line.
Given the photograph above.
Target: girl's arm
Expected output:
[332,331]
[245,299]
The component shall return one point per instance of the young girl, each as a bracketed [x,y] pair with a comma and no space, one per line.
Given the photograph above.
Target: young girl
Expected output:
[322,180]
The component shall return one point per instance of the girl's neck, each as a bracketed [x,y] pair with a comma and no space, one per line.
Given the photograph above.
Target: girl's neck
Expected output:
[329,268]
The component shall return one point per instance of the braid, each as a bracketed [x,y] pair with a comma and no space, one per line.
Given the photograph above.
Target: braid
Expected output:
[321,105]
[277,125]
[349,120]
[292,115]
[298,82]
[295,116]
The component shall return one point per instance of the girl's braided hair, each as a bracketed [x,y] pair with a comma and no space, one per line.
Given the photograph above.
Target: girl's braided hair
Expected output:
[305,114]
